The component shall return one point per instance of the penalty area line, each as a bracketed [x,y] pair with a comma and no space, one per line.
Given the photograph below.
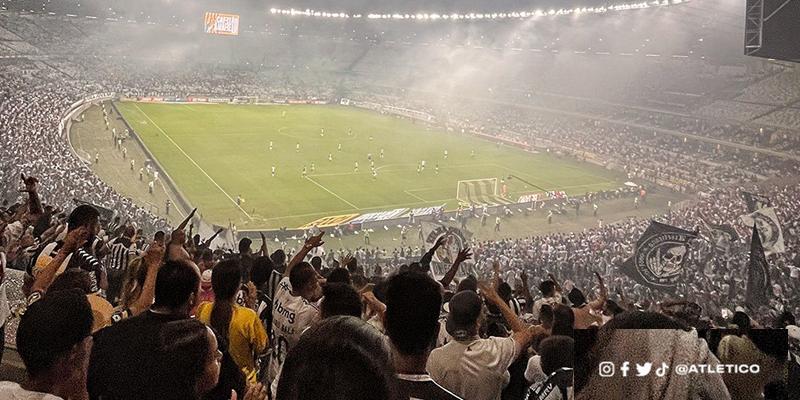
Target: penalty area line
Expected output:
[331,192]
[193,162]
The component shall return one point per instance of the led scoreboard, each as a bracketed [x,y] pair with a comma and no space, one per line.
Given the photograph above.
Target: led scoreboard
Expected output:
[221,24]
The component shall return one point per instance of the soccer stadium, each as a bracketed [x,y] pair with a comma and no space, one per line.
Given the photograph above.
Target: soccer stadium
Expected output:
[397,199]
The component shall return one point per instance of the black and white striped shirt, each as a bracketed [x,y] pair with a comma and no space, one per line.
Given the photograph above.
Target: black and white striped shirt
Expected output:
[122,251]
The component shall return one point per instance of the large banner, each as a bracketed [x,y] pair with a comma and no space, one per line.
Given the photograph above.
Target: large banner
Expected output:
[446,254]
[380,216]
[769,228]
[660,256]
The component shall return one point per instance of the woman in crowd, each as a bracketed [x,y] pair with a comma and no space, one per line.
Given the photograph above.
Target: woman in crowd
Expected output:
[240,326]
[190,359]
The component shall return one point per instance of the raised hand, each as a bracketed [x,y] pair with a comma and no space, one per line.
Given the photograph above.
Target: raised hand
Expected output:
[463,255]
[30,183]
[489,293]
[440,241]
[154,254]
[315,241]
[75,239]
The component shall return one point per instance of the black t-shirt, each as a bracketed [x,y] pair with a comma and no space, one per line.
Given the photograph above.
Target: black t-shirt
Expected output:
[124,360]
[422,387]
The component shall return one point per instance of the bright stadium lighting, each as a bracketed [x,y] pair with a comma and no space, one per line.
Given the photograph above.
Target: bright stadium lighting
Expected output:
[496,15]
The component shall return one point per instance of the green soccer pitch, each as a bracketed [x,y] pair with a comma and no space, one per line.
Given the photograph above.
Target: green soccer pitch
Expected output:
[216,153]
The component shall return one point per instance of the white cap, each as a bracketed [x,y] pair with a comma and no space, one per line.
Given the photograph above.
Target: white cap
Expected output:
[794,332]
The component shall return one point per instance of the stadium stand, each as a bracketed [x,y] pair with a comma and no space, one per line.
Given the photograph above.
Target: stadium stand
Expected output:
[701,128]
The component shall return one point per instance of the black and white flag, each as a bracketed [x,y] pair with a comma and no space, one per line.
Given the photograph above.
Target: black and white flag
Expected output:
[755,201]
[660,256]
[721,235]
[758,283]
[444,257]
[769,228]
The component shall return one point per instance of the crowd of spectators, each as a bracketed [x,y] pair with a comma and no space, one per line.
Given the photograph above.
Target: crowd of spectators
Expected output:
[181,320]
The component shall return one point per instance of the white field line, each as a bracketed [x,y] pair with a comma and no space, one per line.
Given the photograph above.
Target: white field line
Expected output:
[414,196]
[193,162]
[331,192]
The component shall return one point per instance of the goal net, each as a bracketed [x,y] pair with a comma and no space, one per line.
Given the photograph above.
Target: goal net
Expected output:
[479,191]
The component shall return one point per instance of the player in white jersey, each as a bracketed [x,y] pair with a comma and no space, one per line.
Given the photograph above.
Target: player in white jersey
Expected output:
[322,132]
[330,157]
[297,148]
[295,305]
[356,167]
[445,154]
[270,144]
[273,171]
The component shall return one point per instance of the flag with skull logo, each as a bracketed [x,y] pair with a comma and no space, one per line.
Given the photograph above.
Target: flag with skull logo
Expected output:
[660,256]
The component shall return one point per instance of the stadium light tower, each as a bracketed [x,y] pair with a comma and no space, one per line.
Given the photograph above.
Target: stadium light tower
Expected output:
[754,26]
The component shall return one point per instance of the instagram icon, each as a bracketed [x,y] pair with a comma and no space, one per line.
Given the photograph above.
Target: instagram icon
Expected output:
[606,369]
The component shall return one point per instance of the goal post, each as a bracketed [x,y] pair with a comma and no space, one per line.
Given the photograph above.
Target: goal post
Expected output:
[477,191]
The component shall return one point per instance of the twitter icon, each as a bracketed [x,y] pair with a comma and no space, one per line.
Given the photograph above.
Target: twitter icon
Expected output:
[643,370]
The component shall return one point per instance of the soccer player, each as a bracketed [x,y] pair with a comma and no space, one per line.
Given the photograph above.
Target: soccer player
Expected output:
[372,163]
[356,167]
[304,171]
[418,169]
[313,168]
[349,131]
[436,169]
[472,154]
[270,143]
[155,176]
[374,174]
[381,153]
[369,156]
[445,154]
[150,187]
[339,148]
[133,162]
[297,148]
[141,173]
[96,158]
[322,132]
[238,200]
[273,171]
[330,157]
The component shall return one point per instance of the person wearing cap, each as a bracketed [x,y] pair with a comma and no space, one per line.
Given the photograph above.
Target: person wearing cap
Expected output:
[54,340]
[472,367]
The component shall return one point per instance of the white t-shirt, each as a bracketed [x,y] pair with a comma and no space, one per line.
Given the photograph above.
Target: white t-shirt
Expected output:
[291,315]
[473,369]
[537,305]
[12,391]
